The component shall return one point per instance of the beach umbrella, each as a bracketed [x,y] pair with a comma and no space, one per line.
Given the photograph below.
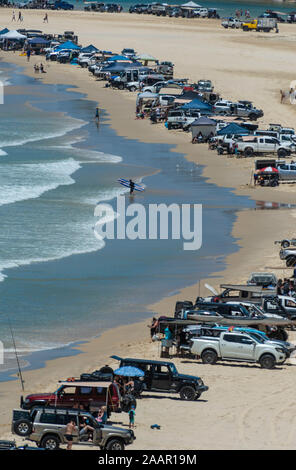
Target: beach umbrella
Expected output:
[129,371]
[269,169]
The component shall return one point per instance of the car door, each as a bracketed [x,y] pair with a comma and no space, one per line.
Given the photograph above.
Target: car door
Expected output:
[230,346]
[271,144]
[161,377]
[246,347]
[66,397]
[284,172]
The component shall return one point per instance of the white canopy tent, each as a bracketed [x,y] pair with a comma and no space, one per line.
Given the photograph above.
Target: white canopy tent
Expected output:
[13,35]
[191,5]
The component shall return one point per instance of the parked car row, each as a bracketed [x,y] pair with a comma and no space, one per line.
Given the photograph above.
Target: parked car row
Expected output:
[173,11]
[43,418]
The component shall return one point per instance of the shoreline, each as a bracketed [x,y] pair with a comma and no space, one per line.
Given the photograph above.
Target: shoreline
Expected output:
[268,224]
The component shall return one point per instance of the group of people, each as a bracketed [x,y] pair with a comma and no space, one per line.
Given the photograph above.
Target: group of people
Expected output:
[39,68]
[20,17]
[85,431]
[200,138]
[240,13]
[286,287]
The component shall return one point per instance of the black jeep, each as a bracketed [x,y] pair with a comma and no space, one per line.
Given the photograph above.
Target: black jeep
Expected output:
[163,376]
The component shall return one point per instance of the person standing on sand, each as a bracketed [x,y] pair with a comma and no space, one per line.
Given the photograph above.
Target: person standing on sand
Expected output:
[45,19]
[70,429]
[13,16]
[132,186]
[153,327]
[131,415]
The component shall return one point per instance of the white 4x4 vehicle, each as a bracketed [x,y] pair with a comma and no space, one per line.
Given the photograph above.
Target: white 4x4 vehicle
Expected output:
[261,144]
[177,118]
[231,23]
[238,347]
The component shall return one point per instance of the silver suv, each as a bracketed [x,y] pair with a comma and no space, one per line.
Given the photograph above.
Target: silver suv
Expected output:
[47,427]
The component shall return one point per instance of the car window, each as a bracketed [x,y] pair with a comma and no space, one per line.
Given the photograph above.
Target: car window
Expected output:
[84,390]
[56,418]
[161,369]
[232,338]
[68,390]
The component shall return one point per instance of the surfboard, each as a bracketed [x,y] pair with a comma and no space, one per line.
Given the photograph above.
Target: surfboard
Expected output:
[126,183]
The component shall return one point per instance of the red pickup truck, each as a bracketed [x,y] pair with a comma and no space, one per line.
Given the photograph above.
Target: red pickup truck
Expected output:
[89,396]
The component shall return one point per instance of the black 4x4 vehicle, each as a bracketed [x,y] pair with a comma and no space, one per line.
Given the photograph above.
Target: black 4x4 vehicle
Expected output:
[163,376]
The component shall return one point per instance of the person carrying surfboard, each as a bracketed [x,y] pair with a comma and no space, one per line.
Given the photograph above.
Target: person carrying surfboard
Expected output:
[132,186]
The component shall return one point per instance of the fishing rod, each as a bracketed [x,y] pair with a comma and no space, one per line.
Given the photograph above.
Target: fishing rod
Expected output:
[16,356]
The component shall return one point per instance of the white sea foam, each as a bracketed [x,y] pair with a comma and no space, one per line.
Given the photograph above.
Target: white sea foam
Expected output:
[27,181]
[68,126]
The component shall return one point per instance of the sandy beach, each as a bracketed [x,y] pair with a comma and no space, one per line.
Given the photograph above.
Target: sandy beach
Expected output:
[246,407]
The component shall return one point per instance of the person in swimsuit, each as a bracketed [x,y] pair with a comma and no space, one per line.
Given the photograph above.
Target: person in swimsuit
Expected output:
[70,429]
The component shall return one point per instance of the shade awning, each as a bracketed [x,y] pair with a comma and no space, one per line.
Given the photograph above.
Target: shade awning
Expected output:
[13,35]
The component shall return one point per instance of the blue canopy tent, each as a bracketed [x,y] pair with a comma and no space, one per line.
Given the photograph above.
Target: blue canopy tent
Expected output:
[68,45]
[203,107]
[119,57]
[4,31]
[118,67]
[233,129]
[89,48]
[39,41]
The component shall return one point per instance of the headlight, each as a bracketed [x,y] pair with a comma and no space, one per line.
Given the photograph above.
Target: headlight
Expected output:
[200,382]
[280,350]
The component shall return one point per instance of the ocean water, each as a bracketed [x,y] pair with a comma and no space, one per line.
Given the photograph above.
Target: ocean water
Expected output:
[58,283]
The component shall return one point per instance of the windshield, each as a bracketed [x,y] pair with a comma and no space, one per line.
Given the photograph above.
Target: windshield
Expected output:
[173,369]
[257,337]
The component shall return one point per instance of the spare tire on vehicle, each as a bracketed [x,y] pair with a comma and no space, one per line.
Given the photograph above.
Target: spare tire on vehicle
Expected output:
[23,427]
[127,402]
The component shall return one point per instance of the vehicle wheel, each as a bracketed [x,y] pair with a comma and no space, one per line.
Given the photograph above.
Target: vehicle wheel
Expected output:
[282,153]
[23,427]
[187,393]
[282,335]
[50,442]
[133,88]
[233,26]
[115,444]
[267,361]
[291,261]
[197,395]
[209,356]
[245,28]
[169,125]
[253,117]
[248,152]
[121,86]
[285,244]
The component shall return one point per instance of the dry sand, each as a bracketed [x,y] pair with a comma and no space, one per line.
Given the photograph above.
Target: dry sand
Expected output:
[246,407]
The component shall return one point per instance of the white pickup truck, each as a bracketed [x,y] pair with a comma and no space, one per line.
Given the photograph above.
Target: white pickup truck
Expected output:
[231,23]
[238,347]
[258,145]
